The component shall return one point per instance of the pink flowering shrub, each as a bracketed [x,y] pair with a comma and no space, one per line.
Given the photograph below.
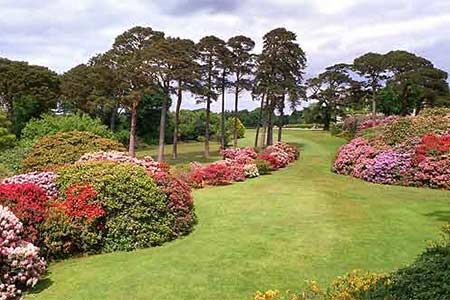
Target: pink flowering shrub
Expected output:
[369,123]
[388,167]
[20,265]
[353,155]
[433,171]
[241,155]
[46,180]
[279,155]
[251,170]
[147,162]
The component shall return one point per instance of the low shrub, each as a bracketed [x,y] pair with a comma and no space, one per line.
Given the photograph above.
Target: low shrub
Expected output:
[45,180]
[251,171]
[217,173]
[263,167]
[137,213]
[29,203]
[20,265]
[279,155]
[55,150]
[74,224]
[176,190]
[50,124]
[11,159]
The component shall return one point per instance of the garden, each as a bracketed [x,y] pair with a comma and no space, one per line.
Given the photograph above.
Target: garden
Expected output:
[338,199]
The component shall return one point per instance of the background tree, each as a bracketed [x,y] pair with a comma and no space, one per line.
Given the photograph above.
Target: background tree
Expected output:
[242,64]
[209,49]
[185,74]
[7,139]
[26,91]
[372,67]
[330,90]
[225,62]
[127,60]
[415,81]
[282,62]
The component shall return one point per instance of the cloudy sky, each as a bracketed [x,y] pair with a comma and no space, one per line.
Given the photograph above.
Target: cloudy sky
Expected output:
[63,33]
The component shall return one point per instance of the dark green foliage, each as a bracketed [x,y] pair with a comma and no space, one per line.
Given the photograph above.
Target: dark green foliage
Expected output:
[137,214]
[7,139]
[263,167]
[51,124]
[65,147]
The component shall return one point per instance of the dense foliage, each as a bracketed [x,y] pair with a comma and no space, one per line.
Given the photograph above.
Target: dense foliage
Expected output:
[7,139]
[50,124]
[65,147]
[20,264]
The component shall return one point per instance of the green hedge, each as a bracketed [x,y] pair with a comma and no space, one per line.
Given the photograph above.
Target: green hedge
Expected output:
[65,147]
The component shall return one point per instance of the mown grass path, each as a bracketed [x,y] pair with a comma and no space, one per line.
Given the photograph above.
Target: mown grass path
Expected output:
[275,231]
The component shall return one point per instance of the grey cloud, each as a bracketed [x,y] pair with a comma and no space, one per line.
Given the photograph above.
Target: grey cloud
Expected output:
[189,7]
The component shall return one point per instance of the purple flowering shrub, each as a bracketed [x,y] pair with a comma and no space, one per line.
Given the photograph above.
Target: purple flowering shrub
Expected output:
[20,265]
[388,167]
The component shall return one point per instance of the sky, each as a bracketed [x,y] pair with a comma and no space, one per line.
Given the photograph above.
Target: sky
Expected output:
[61,34]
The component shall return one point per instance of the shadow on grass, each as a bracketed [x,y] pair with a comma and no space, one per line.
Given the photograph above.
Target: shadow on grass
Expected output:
[42,285]
[440,215]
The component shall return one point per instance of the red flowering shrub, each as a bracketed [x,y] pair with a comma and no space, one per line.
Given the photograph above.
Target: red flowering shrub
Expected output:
[180,202]
[217,173]
[28,203]
[433,171]
[432,145]
[79,203]
[279,155]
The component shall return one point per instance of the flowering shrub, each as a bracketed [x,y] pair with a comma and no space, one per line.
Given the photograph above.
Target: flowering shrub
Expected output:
[432,145]
[369,123]
[410,151]
[217,173]
[388,167]
[137,213]
[240,155]
[46,180]
[28,202]
[251,170]
[147,162]
[178,192]
[20,265]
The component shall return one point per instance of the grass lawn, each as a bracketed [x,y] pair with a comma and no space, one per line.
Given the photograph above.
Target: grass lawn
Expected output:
[276,231]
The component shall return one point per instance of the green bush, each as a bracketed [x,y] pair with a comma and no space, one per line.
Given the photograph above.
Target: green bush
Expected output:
[240,128]
[7,139]
[65,147]
[399,131]
[137,213]
[51,124]
[11,159]
[427,278]
[263,167]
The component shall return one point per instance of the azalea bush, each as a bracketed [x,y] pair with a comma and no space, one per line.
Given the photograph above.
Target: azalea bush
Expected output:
[29,203]
[21,267]
[74,224]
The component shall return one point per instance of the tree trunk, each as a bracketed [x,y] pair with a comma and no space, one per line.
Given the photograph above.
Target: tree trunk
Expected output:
[269,127]
[113,118]
[177,122]
[236,114]
[259,123]
[281,121]
[208,108]
[222,116]
[162,128]
[374,102]
[132,142]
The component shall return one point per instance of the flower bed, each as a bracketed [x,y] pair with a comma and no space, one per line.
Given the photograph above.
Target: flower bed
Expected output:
[401,154]
[239,164]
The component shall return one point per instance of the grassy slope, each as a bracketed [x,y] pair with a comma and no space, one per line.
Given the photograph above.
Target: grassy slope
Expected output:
[276,231]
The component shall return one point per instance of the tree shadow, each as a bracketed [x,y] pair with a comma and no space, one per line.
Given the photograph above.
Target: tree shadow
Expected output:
[42,285]
[440,215]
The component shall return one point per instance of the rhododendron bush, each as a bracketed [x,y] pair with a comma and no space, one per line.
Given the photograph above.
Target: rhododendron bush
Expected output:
[400,155]
[46,180]
[20,265]
[28,202]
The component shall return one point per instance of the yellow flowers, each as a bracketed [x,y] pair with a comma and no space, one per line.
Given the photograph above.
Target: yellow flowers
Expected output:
[270,294]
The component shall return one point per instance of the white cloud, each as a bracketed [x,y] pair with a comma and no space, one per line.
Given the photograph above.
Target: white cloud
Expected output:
[63,33]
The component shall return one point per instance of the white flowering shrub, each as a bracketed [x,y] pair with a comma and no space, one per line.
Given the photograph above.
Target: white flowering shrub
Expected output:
[20,264]
[251,170]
